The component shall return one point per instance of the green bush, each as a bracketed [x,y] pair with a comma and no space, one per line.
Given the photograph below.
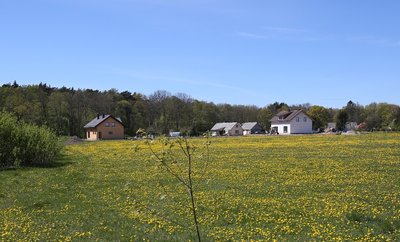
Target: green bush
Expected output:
[26,144]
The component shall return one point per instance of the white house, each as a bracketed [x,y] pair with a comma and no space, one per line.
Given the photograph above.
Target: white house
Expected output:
[230,129]
[252,128]
[291,122]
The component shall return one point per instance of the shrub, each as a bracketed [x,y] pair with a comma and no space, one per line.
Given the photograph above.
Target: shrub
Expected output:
[26,144]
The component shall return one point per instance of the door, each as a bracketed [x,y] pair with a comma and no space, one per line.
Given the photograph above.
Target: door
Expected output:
[100,136]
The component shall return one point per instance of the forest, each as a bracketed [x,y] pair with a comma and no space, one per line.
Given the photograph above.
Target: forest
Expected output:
[66,110]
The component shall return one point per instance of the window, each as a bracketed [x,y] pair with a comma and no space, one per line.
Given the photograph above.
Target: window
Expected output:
[107,124]
[298,119]
[113,124]
[236,131]
[88,135]
[305,119]
[280,118]
[110,132]
[285,129]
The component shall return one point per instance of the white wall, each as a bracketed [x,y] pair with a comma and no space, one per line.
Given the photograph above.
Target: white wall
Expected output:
[246,132]
[281,128]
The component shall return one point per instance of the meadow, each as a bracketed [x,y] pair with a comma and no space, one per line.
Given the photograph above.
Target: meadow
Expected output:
[312,187]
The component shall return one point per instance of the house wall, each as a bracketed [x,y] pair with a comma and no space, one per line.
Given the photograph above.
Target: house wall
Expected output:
[91,134]
[299,126]
[110,132]
[246,132]
[107,132]
[236,130]
[281,128]
[256,128]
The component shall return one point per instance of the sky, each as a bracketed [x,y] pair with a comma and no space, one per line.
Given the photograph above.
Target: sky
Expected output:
[251,52]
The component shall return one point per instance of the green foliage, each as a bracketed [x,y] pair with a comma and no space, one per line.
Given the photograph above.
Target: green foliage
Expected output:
[67,110]
[319,115]
[26,144]
[341,119]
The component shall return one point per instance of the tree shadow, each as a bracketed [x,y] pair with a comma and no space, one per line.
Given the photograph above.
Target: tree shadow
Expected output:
[62,161]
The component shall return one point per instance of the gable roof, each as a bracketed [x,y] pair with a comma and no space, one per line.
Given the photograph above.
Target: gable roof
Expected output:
[221,126]
[98,120]
[249,125]
[286,116]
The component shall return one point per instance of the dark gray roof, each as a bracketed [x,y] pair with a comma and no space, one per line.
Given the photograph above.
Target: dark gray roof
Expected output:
[221,126]
[249,125]
[96,121]
[286,116]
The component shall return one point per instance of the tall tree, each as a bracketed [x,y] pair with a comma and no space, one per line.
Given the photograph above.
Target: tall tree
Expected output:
[341,119]
[319,115]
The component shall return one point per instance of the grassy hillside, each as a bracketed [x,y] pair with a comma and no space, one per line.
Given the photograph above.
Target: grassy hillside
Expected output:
[294,187]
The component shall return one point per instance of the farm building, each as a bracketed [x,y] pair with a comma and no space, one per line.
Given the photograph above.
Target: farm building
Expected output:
[252,128]
[291,122]
[104,126]
[230,129]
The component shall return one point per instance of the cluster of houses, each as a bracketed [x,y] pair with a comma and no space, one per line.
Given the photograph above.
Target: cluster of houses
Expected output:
[285,122]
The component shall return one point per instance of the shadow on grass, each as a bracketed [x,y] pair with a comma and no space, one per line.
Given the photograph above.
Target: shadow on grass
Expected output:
[62,161]
[380,224]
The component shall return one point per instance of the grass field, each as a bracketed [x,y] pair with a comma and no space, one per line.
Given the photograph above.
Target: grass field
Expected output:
[255,188]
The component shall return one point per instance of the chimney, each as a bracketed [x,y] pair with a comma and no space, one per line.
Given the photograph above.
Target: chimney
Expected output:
[104,115]
[98,116]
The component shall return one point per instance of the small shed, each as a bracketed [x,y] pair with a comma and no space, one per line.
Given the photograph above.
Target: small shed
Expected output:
[252,128]
[104,126]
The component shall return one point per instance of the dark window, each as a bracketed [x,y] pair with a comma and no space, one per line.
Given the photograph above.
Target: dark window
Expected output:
[305,119]
[88,135]
[285,129]
[110,133]
[236,131]
[298,119]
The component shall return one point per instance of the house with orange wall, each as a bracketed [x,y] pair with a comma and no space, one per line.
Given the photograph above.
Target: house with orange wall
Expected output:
[104,126]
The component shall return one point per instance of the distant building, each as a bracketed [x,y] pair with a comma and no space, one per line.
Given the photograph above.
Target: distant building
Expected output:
[104,126]
[351,126]
[229,129]
[174,134]
[291,122]
[252,128]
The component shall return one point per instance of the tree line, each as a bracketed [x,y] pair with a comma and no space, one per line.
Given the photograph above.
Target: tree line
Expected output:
[67,110]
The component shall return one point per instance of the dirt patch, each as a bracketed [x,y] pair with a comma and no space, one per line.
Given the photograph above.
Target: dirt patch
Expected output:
[73,140]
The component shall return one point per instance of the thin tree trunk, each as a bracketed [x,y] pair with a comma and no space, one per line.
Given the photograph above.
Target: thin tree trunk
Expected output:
[191,192]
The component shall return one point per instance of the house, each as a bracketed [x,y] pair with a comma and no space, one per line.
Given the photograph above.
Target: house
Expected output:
[252,128]
[230,129]
[291,122]
[350,126]
[104,126]
[174,134]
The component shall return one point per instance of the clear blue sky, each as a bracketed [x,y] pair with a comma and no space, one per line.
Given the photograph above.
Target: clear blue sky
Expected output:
[238,52]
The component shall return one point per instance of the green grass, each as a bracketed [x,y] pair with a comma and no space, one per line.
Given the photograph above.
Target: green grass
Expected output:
[255,188]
